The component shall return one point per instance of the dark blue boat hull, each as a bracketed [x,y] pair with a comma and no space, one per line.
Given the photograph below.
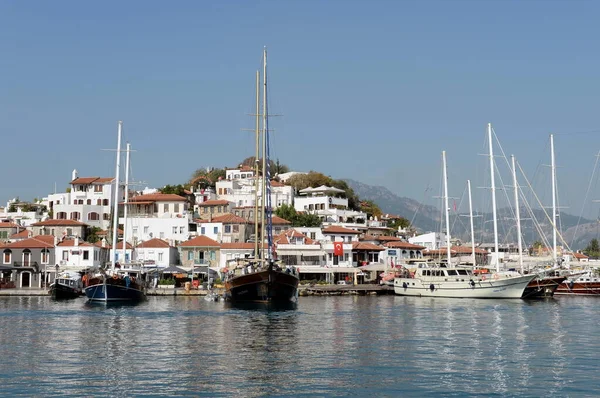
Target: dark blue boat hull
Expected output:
[109,293]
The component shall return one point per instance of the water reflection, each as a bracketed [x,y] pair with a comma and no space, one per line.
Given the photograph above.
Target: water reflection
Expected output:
[388,346]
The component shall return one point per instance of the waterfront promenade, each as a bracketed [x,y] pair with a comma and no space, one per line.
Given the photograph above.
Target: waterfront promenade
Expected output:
[303,290]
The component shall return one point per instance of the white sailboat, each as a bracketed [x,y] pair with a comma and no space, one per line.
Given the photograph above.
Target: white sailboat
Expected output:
[446,280]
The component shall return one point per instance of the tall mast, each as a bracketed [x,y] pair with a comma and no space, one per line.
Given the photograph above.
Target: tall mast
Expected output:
[126,201]
[116,196]
[553,165]
[473,258]
[264,153]
[491,146]
[257,254]
[518,211]
[448,252]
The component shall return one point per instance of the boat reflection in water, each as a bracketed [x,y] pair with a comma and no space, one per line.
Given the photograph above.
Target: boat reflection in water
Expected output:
[272,306]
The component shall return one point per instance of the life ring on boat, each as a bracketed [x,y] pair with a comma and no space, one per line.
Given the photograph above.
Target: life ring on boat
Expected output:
[496,276]
[483,278]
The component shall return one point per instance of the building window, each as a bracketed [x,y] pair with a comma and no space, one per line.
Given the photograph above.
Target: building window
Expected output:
[7,256]
[93,216]
[190,256]
[65,255]
[160,256]
[215,230]
[99,202]
[89,202]
[75,215]
[86,254]
[236,228]
[227,229]
[313,235]
[97,188]
[106,216]
[45,256]
[135,231]
[202,230]
[105,202]
[162,235]
[146,230]
[166,208]
[61,215]
[181,230]
[174,230]
[176,208]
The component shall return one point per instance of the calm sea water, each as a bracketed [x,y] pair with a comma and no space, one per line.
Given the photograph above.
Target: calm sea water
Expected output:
[334,346]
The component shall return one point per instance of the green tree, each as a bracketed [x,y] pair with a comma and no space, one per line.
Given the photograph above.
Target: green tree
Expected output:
[369,207]
[205,178]
[592,249]
[287,212]
[173,189]
[275,166]
[399,223]
[92,234]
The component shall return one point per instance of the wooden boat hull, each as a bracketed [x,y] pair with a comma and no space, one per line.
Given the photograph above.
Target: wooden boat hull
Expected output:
[543,287]
[578,288]
[490,288]
[262,287]
[62,292]
[114,291]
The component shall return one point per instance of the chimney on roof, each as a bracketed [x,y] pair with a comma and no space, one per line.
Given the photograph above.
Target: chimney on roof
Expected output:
[74,175]
[77,241]
[103,242]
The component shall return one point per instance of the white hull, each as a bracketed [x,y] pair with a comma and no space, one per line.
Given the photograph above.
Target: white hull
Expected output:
[503,287]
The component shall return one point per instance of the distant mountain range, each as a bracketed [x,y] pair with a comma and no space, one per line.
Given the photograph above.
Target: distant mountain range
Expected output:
[427,218]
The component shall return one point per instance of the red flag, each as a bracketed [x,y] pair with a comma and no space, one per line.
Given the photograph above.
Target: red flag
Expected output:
[338,249]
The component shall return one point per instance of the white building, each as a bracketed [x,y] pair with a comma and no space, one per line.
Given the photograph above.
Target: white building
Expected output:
[156,252]
[331,209]
[430,240]
[90,201]
[241,192]
[163,216]
[20,216]
[243,172]
[283,177]
[334,235]
[77,255]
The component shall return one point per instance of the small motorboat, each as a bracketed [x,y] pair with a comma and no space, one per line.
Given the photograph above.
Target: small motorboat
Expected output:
[67,286]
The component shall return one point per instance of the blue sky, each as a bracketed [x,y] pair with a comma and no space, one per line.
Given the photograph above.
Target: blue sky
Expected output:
[371,90]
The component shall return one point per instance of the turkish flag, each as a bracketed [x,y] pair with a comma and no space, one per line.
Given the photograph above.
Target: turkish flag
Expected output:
[338,249]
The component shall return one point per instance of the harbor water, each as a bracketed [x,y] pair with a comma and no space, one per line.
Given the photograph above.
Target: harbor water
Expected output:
[327,346]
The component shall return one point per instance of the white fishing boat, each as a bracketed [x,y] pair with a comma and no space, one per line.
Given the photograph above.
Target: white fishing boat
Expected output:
[446,280]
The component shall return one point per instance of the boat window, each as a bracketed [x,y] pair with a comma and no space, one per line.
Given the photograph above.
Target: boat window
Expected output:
[452,272]
[462,272]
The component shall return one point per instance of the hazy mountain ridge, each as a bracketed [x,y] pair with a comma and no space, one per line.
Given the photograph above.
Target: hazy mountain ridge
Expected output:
[427,218]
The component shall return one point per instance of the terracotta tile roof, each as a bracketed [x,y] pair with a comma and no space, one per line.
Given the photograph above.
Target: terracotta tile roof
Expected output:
[92,180]
[334,229]
[276,221]
[22,235]
[369,237]
[228,219]
[105,233]
[158,197]
[366,246]
[154,243]
[60,223]
[9,225]
[277,184]
[238,246]
[579,255]
[37,242]
[388,238]
[284,238]
[200,241]
[214,203]
[120,245]
[403,245]
[71,242]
